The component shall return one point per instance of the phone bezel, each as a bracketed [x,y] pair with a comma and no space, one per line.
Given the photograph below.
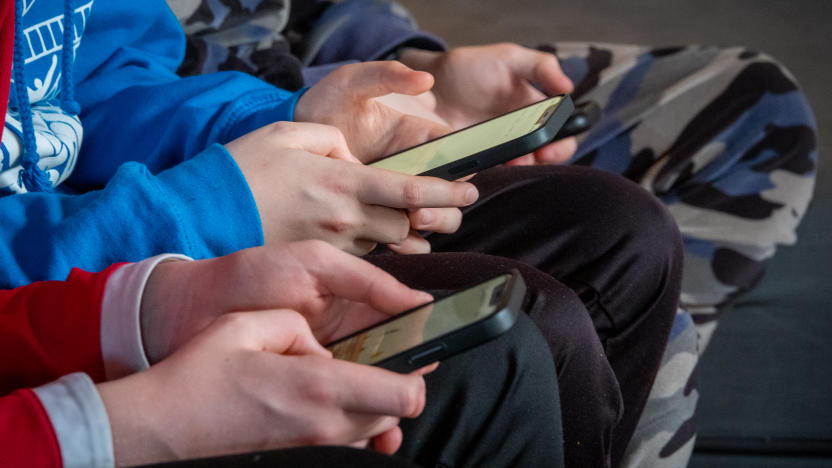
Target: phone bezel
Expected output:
[503,152]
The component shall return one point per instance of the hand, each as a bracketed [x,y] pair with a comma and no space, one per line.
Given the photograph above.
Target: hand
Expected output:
[477,83]
[255,381]
[302,196]
[346,99]
[334,291]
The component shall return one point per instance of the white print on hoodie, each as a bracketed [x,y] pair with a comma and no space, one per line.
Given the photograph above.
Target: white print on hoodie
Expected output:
[58,135]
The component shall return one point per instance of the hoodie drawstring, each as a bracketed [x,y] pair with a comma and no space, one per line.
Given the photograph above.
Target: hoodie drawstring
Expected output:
[32,176]
[68,103]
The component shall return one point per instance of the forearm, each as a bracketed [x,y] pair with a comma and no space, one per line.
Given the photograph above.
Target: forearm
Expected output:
[130,73]
[201,208]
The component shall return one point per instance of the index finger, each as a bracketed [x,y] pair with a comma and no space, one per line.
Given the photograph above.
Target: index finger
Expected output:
[397,190]
[352,278]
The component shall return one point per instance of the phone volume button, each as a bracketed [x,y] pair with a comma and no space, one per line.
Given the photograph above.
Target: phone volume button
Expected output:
[427,356]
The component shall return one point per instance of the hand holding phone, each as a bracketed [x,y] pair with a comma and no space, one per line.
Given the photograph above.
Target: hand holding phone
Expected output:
[440,329]
[583,117]
[485,144]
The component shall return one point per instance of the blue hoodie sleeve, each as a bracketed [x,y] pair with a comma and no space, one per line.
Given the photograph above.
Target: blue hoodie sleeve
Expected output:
[362,30]
[135,216]
[135,107]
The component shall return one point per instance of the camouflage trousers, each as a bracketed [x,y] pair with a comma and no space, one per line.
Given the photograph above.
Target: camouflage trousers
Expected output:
[725,138]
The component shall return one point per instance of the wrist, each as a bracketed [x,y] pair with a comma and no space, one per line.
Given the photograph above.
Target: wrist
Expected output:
[134,413]
[167,305]
[304,112]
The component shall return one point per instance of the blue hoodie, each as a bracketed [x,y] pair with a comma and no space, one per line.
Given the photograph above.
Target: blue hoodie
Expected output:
[145,174]
[135,108]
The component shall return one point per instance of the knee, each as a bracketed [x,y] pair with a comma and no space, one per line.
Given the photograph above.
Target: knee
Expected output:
[630,253]
[762,87]
[631,228]
[561,319]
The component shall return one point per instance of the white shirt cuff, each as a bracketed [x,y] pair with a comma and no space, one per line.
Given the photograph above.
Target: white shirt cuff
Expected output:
[121,330]
[80,422]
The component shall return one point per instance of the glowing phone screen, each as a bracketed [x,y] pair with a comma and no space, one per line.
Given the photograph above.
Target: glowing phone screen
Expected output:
[471,140]
[421,325]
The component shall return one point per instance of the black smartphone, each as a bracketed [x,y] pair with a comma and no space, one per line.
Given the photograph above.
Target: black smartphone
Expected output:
[485,144]
[439,329]
[585,115]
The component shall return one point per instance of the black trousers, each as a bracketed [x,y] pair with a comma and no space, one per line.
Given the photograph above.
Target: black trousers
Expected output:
[494,405]
[602,261]
[616,255]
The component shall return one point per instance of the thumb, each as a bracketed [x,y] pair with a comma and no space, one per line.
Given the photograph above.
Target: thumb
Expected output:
[324,140]
[279,331]
[374,79]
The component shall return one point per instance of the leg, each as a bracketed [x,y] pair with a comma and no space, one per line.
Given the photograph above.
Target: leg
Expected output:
[494,405]
[723,137]
[605,238]
[589,393]
[727,141]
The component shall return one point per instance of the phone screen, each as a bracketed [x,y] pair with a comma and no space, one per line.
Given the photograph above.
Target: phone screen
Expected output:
[471,140]
[423,324]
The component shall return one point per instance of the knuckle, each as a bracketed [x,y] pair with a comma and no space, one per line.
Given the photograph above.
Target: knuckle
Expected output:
[319,391]
[294,320]
[506,48]
[338,185]
[394,66]
[412,193]
[412,400]
[322,434]
[550,61]
[235,322]
[281,127]
[336,134]
[340,223]
[344,71]
[403,232]
[453,220]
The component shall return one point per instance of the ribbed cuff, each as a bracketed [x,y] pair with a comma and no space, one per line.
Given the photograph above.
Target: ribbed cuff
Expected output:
[79,420]
[121,331]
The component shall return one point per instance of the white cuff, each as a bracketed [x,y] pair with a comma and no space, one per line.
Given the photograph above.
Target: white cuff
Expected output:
[121,330]
[80,422]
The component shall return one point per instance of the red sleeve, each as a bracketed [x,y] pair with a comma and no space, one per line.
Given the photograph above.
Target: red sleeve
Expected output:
[26,434]
[50,329]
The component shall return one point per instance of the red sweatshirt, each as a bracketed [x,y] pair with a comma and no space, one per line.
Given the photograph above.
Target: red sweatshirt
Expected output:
[47,330]
[79,331]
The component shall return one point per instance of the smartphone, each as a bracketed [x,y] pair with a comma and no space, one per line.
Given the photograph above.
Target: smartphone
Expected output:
[485,144]
[584,116]
[439,329]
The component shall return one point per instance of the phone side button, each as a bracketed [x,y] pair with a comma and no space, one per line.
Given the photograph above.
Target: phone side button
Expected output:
[427,356]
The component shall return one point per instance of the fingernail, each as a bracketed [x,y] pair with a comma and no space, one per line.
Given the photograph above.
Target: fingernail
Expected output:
[426,218]
[471,196]
[425,296]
